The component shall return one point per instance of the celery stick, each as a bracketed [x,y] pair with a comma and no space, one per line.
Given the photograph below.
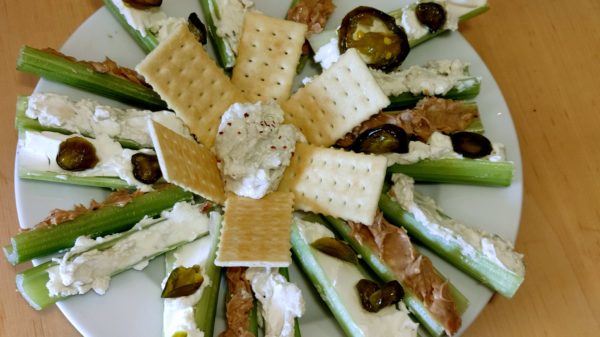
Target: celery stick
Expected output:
[286,273]
[383,271]
[106,182]
[205,308]
[46,240]
[458,171]
[225,53]
[147,43]
[22,122]
[476,264]
[471,14]
[458,92]
[59,69]
[32,282]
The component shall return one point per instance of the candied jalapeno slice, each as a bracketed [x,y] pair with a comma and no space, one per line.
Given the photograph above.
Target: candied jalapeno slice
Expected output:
[383,139]
[374,297]
[76,154]
[143,4]
[197,27]
[380,42]
[336,248]
[366,290]
[146,168]
[471,144]
[183,281]
[432,15]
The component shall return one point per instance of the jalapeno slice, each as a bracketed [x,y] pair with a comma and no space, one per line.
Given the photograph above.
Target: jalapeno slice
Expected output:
[143,4]
[432,15]
[384,139]
[336,248]
[76,154]
[197,27]
[471,144]
[146,168]
[374,34]
[183,281]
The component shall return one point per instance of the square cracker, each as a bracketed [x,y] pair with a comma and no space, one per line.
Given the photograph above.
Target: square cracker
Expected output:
[191,83]
[256,232]
[268,54]
[335,182]
[342,97]
[187,164]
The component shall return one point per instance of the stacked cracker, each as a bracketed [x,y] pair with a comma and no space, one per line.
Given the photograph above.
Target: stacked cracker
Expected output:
[319,179]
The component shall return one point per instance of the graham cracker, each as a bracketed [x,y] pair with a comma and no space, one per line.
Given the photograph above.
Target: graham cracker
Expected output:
[335,182]
[268,54]
[342,97]
[256,232]
[191,83]
[187,164]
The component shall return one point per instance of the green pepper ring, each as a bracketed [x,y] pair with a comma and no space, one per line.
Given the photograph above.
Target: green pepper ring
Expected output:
[346,30]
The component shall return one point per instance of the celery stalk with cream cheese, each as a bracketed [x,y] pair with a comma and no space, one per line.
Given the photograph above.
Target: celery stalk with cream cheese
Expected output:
[486,257]
[37,153]
[336,280]
[195,314]
[91,263]
[59,113]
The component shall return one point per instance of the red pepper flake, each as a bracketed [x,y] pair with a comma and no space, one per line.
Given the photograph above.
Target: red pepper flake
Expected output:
[246,115]
[285,147]
[273,147]
[220,132]
[229,123]
[239,132]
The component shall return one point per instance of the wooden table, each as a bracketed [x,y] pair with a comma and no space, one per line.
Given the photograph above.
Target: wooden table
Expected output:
[545,56]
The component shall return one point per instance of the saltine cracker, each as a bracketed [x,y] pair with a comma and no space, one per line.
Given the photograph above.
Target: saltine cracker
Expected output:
[335,182]
[256,232]
[191,83]
[268,55]
[342,97]
[187,164]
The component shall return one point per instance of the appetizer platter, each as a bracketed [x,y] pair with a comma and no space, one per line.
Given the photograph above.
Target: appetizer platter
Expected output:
[132,306]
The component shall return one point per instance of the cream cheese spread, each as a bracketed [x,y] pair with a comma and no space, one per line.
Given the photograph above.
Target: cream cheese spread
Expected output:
[439,146]
[149,20]
[229,18]
[254,148]
[37,152]
[84,267]
[91,118]
[471,241]
[281,301]
[435,78]
[389,322]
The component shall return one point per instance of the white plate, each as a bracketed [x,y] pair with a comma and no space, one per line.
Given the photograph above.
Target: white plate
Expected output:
[132,306]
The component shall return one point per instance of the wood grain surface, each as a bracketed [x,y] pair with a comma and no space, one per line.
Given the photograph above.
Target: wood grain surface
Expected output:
[544,54]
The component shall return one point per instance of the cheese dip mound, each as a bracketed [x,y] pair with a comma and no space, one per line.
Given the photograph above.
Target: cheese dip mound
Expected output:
[254,148]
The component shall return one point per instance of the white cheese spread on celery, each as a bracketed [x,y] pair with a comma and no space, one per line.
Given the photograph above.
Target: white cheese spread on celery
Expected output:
[254,147]
[424,209]
[228,17]
[37,152]
[92,118]
[85,267]
[390,321]
[151,20]
[434,78]
[281,301]
[439,146]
